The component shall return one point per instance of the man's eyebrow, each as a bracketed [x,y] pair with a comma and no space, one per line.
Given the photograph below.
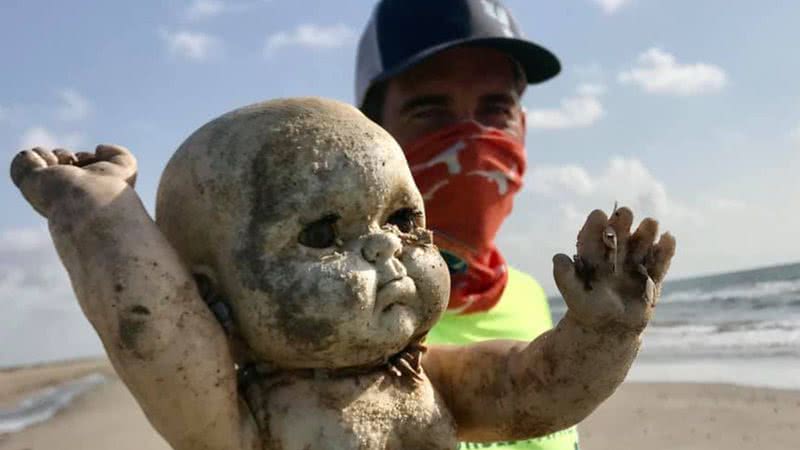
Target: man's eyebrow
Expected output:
[424,100]
[505,97]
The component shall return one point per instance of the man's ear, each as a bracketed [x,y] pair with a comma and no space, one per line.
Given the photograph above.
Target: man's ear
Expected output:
[524,122]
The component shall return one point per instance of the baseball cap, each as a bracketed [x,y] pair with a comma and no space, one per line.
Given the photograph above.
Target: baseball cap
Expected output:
[402,33]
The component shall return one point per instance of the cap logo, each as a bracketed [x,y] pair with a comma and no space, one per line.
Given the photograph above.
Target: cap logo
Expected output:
[498,13]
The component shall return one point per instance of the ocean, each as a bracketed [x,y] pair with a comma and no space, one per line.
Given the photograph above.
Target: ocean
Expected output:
[739,327]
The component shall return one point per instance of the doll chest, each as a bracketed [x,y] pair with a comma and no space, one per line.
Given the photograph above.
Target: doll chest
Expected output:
[374,411]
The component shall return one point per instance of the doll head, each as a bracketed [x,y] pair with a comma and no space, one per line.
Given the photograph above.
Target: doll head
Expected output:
[304,216]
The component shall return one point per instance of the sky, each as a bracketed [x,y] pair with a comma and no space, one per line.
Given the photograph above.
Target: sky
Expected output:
[686,111]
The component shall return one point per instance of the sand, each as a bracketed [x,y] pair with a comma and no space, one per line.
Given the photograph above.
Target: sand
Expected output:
[651,416]
[686,416]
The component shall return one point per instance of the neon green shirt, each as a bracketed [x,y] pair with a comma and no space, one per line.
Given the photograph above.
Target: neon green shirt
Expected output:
[522,314]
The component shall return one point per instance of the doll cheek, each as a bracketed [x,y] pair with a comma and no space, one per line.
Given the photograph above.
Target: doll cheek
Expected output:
[428,270]
[422,260]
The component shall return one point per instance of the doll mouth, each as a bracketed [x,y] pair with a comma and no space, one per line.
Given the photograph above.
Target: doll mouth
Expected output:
[390,307]
[395,292]
[396,279]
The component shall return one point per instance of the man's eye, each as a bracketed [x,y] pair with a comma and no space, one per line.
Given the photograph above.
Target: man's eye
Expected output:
[406,219]
[497,110]
[319,234]
[430,113]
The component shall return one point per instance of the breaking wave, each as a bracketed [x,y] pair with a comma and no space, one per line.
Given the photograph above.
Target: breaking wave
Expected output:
[44,404]
[788,290]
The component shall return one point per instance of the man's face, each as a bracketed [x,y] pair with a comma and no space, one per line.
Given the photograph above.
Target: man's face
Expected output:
[456,85]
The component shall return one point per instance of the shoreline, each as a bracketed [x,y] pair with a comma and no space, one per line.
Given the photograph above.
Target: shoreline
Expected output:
[641,414]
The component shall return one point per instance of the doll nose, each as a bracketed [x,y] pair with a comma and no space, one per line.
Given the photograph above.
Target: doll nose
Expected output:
[379,247]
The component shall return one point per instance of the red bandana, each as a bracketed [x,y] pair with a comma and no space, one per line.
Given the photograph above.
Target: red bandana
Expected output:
[468,175]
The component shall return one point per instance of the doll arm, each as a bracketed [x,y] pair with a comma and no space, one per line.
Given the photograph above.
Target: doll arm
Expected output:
[161,338]
[503,390]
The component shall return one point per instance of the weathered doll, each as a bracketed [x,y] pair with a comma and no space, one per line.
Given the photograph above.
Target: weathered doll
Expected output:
[298,222]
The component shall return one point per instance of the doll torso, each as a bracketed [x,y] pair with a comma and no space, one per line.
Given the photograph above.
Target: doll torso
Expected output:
[368,411]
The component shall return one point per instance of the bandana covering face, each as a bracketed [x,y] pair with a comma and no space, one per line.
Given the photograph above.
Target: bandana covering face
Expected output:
[468,175]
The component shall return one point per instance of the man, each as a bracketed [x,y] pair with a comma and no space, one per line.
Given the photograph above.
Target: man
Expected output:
[445,78]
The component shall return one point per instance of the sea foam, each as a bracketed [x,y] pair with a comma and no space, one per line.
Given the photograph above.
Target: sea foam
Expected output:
[44,404]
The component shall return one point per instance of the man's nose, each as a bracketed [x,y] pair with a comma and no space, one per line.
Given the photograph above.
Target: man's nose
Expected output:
[379,247]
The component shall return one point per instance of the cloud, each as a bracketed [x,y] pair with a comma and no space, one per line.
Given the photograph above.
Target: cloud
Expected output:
[24,239]
[794,135]
[39,136]
[74,106]
[22,252]
[624,180]
[39,305]
[722,204]
[592,90]
[204,9]
[208,9]
[551,179]
[191,45]
[589,71]
[311,36]
[557,199]
[715,230]
[611,6]
[658,72]
[580,110]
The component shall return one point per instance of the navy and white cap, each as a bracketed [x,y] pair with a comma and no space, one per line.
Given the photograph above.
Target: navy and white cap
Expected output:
[402,33]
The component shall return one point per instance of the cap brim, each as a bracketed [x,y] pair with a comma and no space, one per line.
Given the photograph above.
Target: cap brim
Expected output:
[538,63]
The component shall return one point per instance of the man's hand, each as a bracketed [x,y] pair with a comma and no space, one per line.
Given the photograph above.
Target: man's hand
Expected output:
[615,279]
[47,177]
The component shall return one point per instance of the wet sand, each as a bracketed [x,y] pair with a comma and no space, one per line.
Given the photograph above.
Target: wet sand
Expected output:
[651,416]
[688,416]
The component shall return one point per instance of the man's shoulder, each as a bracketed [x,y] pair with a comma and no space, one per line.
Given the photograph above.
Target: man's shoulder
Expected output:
[524,300]
[523,287]
[517,276]
[522,313]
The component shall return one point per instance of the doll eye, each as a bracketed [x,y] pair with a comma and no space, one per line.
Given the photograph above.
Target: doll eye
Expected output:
[406,219]
[320,234]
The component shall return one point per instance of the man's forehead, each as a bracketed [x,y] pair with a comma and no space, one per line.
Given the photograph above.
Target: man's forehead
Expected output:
[461,65]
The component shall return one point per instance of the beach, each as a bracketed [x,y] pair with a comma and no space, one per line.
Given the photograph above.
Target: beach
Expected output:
[105,418]
[694,416]
[651,416]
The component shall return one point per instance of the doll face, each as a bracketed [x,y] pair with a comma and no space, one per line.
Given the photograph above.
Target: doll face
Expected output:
[332,266]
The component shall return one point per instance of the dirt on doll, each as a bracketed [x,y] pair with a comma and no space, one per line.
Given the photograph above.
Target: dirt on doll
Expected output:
[281,297]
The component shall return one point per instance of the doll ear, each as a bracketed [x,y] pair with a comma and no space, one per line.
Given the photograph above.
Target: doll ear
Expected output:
[206,281]
[207,287]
